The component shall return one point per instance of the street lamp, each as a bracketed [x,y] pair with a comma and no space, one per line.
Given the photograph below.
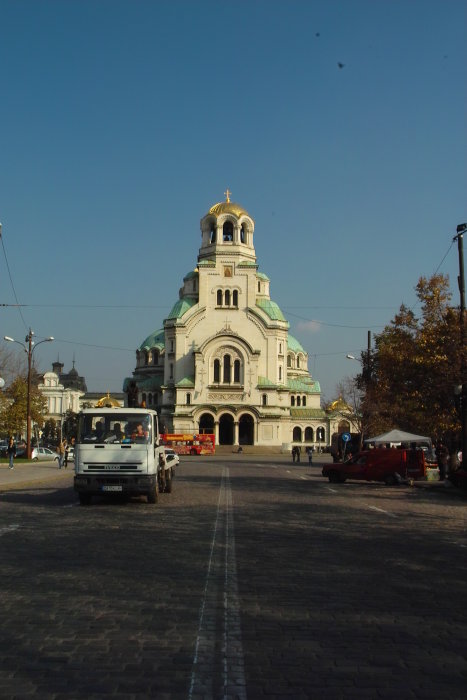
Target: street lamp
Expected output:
[461,229]
[29,350]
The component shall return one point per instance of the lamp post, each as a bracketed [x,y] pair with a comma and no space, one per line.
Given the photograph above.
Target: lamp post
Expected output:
[366,377]
[461,229]
[28,346]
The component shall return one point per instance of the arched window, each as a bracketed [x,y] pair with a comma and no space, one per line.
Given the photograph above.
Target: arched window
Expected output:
[242,233]
[226,369]
[280,348]
[259,286]
[292,400]
[227,231]
[227,297]
[235,298]
[265,400]
[298,362]
[188,399]
[194,285]
[149,399]
[217,371]
[237,371]
[155,357]
[219,297]
[289,361]
[308,434]
[280,373]
[212,234]
[297,434]
[304,401]
[298,401]
[143,399]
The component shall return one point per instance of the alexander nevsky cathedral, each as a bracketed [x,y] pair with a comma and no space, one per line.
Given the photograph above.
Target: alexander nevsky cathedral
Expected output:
[224,361]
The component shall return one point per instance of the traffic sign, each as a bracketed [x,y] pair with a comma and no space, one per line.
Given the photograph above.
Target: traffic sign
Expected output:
[346,437]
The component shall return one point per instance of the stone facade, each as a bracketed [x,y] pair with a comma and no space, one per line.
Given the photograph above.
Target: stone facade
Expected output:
[224,361]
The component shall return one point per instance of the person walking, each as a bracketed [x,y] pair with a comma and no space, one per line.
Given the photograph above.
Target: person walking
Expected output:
[310,456]
[61,453]
[65,442]
[11,450]
[442,455]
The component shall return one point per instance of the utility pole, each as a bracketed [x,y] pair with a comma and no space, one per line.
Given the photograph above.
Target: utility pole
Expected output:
[461,229]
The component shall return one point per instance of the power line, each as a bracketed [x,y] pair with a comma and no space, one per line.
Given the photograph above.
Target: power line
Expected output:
[11,280]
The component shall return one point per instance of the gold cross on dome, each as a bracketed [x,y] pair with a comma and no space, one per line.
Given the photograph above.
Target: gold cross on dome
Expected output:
[227,195]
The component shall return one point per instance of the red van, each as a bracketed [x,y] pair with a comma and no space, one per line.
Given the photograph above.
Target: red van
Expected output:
[389,465]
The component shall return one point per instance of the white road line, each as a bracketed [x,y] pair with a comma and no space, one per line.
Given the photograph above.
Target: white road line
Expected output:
[8,528]
[380,510]
[205,662]
[304,478]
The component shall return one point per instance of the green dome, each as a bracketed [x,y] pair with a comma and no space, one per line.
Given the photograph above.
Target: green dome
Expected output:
[294,345]
[180,308]
[271,309]
[156,339]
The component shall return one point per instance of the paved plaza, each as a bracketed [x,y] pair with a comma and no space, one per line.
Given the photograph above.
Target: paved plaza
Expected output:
[255,578]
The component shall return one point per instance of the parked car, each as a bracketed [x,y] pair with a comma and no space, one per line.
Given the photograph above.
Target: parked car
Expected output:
[171,457]
[43,453]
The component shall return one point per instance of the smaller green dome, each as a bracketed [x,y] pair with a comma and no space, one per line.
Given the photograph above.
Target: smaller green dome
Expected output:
[156,339]
[294,345]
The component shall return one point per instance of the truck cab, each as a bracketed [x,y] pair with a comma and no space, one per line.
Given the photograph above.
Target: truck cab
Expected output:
[117,452]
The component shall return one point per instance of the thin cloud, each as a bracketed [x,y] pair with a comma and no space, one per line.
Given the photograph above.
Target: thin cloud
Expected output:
[308,326]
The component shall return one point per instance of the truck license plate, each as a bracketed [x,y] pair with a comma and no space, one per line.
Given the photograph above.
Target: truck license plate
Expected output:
[112,488]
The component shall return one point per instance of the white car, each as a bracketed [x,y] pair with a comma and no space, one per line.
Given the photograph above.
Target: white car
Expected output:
[171,457]
[40,453]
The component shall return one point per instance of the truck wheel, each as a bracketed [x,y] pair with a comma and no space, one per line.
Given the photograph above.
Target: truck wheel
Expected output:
[85,499]
[334,477]
[153,495]
[390,480]
[168,481]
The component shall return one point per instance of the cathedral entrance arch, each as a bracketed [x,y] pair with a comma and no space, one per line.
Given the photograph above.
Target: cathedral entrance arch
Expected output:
[206,423]
[226,429]
[246,426]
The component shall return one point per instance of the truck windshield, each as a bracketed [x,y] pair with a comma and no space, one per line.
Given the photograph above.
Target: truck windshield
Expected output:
[122,428]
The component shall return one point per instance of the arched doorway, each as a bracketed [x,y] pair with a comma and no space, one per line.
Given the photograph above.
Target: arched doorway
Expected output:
[206,423]
[246,430]
[226,429]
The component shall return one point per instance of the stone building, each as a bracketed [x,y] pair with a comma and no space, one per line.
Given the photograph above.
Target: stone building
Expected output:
[224,361]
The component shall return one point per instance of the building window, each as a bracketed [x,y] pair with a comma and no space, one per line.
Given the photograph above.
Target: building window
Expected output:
[265,400]
[155,357]
[237,371]
[308,434]
[292,400]
[280,348]
[280,373]
[194,285]
[212,234]
[298,362]
[298,401]
[219,297]
[304,401]
[289,361]
[149,399]
[242,233]
[297,434]
[171,346]
[235,298]
[226,369]
[171,370]
[188,399]
[217,371]
[259,286]
[227,297]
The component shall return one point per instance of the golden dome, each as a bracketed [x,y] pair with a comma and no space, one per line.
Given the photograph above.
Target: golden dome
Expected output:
[228,207]
[107,402]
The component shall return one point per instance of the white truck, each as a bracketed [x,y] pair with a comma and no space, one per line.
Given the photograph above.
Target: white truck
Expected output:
[117,451]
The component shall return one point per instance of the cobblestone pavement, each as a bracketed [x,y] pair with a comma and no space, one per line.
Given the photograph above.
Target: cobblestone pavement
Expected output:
[255,578]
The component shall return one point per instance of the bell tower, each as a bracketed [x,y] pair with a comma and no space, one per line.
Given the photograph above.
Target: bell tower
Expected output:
[227,230]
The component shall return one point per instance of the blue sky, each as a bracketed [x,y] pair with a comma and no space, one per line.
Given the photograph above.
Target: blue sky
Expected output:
[123,122]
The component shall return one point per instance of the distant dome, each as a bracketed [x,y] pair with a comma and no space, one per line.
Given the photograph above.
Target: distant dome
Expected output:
[107,402]
[294,345]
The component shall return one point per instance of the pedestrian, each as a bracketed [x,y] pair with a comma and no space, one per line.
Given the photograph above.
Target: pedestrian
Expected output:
[61,453]
[310,456]
[11,450]
[298,450]
[65,442]
[442,456]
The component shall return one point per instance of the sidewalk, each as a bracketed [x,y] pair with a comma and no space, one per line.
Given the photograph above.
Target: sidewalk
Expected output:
[31,473]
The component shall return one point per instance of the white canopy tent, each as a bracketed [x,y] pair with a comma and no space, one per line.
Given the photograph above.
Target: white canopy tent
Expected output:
[398,436]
